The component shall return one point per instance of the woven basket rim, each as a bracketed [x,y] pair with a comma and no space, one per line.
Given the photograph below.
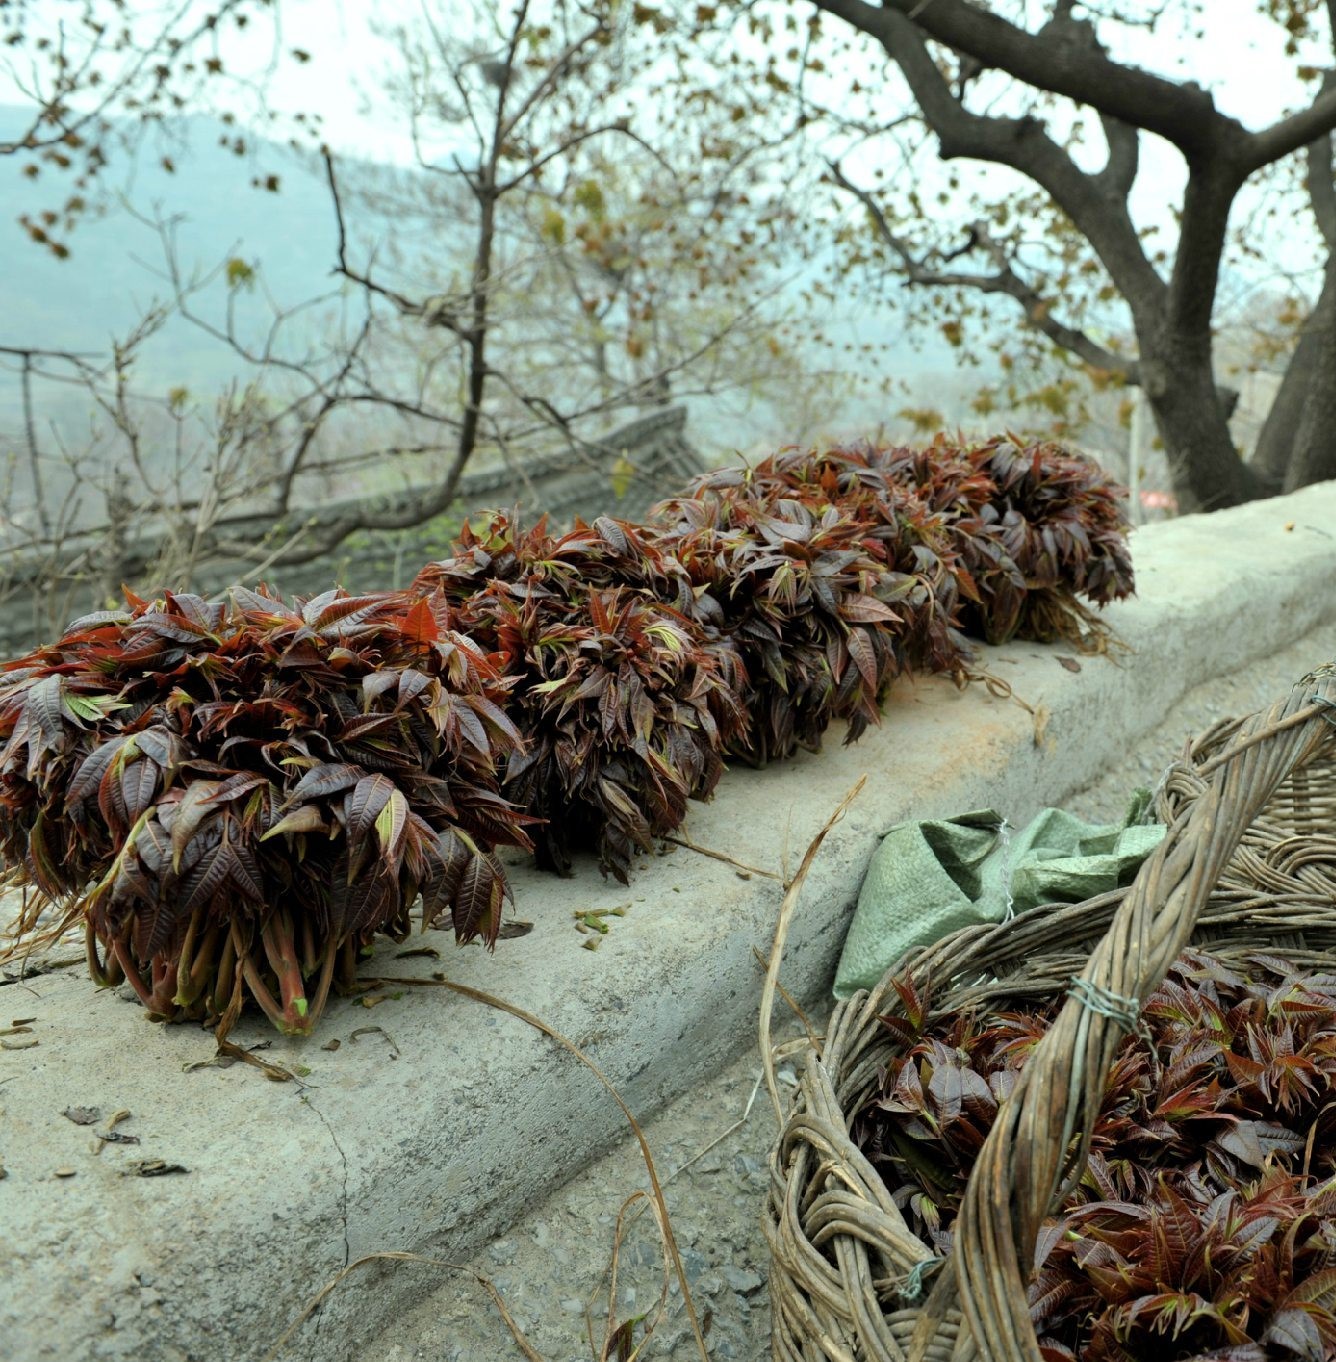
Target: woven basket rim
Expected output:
[842,1256]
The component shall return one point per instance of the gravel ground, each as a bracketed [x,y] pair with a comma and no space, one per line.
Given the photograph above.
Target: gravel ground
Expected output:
[712,1146]
[1227,697]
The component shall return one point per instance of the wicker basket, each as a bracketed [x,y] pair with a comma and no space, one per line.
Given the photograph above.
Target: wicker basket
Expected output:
[1248,863]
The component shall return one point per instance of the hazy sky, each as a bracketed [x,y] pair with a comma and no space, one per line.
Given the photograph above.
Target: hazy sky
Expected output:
[1241,57]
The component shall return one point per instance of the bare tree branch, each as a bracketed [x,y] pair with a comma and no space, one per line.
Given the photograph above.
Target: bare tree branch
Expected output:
[34,456]
[535,166]
[557,68]
[1321,189]
[1260,149]
[1094,204]
[1004,280]
[63,121]
[1053,60]
[328,402]
[407,307]
[1120,171]
[1203,225]
[484,364]
[1173,318]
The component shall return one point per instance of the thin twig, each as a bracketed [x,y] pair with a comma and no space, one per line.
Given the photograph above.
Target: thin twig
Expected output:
[610,1334]
[723,1134]
[813,1035]
[721,856]
[490,1000]
[620,1232]
[998,687]
[1241,745]
[786,911]
[34,457]
[402,1256]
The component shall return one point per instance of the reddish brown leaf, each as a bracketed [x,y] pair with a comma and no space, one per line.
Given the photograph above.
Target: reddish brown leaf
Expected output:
[420,624]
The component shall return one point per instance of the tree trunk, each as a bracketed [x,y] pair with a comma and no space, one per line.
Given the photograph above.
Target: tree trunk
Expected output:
[1313,457]
[1277,443]
[1207,472]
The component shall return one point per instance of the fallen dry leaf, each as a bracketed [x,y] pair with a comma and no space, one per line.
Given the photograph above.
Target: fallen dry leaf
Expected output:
[375,1030]
[1040,725]
[111,1135]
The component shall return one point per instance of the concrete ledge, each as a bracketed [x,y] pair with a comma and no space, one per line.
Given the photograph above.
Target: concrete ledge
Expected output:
[434,1132]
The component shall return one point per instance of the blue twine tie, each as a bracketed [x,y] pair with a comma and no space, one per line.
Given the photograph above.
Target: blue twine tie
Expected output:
[1105,1003]
[911,1289]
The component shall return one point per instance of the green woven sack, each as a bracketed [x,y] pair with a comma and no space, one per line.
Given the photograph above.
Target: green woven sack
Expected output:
[930,878]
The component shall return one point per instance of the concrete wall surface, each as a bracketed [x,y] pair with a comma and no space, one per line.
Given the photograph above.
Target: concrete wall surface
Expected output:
[434,1130]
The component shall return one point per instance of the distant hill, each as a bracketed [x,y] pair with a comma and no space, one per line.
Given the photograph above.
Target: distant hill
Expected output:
[114,273]
[98,293]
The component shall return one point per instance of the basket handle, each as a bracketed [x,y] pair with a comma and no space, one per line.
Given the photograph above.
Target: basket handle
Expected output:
[1061,1087]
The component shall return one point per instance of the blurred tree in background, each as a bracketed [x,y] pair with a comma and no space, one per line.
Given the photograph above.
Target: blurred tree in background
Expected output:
[615,204]
[1123,214]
